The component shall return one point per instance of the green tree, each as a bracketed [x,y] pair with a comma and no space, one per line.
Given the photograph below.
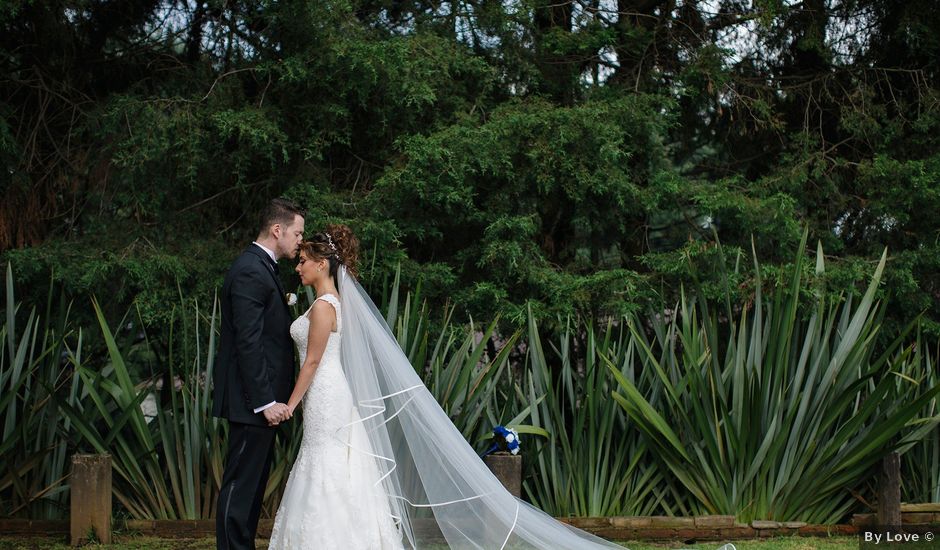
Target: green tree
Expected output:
[578,154]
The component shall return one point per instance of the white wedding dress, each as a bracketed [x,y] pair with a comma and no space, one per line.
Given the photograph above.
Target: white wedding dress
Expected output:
[334,497]
[381,465]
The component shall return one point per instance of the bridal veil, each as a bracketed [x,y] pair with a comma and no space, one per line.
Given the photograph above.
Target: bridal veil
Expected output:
[436,483]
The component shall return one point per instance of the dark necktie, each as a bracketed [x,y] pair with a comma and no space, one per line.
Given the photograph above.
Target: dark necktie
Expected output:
[277,279]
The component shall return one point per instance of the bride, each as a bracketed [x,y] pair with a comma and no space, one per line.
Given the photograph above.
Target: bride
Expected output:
[334,496]
[380,463]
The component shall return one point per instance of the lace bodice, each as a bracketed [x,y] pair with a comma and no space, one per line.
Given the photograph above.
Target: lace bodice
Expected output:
[300,330]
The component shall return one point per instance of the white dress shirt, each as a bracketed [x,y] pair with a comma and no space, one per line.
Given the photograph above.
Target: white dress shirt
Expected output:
[266,249]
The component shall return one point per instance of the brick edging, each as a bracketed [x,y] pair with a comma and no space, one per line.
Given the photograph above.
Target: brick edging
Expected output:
[612,528]
[34,527]
[701,528]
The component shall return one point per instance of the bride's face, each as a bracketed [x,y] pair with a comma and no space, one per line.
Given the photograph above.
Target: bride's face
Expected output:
[309,269]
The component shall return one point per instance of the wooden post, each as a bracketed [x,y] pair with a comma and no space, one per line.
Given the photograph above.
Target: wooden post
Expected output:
[889,492]
[90,498]
[508,470]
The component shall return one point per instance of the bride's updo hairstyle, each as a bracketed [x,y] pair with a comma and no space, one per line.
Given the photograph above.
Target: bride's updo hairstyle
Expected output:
[338,245]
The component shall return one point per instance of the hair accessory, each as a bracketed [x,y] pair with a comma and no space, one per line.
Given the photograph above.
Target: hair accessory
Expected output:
[329,241]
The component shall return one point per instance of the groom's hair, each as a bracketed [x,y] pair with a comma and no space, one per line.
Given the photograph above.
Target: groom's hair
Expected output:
[280,211]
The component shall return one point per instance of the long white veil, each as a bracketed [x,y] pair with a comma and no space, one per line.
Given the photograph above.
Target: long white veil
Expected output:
[436,484]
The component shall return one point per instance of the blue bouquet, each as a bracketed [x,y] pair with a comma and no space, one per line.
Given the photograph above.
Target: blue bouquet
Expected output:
[505,440]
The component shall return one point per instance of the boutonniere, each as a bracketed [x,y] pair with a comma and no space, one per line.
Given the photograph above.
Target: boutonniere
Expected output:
[290,298]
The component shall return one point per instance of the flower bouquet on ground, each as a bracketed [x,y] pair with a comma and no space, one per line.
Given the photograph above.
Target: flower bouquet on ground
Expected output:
[505,440]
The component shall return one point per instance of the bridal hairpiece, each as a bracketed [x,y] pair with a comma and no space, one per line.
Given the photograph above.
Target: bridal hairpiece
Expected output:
[329,241]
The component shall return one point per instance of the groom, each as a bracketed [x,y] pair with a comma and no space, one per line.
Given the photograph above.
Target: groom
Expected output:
[254,372]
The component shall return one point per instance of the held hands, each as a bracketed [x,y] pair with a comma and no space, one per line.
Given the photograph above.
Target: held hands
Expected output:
[277,413]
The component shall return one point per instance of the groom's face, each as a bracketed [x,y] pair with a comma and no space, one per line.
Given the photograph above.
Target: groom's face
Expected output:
[290,237]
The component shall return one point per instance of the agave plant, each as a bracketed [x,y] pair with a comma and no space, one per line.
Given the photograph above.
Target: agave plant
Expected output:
[191,439]
[35,357]
[591,463]
[920,463]
[781,409]
[108,419]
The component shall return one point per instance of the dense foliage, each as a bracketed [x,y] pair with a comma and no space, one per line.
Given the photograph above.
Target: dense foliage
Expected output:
[566,155]
[718,407]
[565,167]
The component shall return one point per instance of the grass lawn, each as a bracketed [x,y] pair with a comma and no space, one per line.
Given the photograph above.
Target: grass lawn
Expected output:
[126,542]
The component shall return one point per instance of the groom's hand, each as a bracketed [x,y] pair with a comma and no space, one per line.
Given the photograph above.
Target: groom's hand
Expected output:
[276,413]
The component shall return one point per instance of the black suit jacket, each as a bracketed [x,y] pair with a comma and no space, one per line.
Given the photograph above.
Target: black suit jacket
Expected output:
[255,365]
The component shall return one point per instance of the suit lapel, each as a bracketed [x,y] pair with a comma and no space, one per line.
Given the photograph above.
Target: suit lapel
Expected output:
[263,257]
